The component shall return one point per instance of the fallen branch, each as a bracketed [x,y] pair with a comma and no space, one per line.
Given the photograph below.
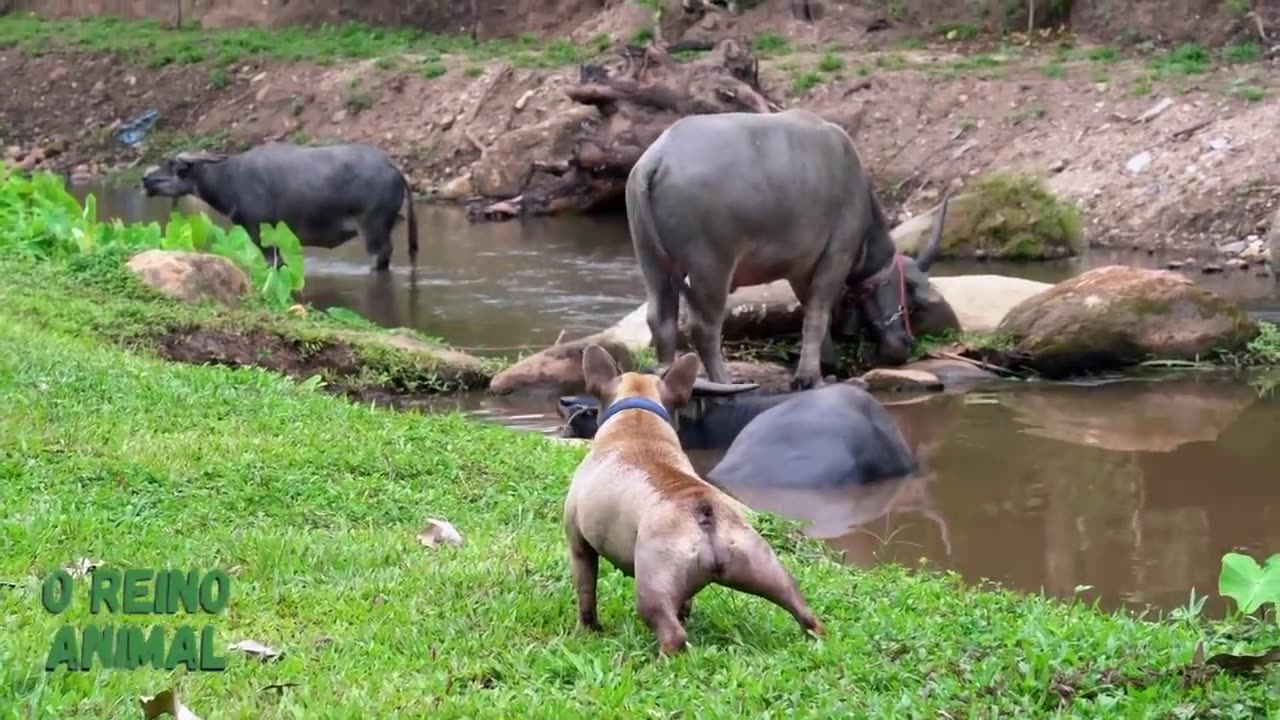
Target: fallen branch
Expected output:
[943,355]
[1190,130]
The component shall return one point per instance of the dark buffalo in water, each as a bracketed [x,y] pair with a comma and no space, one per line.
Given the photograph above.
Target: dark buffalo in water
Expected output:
[711,420]
[733,199]
[319,192]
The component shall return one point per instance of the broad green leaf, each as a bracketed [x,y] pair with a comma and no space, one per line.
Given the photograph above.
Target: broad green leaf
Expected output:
[1249,584]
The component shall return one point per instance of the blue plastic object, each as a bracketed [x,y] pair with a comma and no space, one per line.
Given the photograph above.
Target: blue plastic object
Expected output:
[135,129]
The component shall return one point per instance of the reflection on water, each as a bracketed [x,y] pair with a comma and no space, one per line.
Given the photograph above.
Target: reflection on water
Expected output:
[1135,489]
[505,287]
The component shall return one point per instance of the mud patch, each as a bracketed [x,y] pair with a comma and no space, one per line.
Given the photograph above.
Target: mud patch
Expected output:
[347,368]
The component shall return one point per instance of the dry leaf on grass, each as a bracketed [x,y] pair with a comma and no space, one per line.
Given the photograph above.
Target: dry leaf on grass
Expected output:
[1244,664]
[255,649]
[166,703]
[82,567]
[439,531]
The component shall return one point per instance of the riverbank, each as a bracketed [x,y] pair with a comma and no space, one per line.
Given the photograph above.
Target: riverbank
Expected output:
[312,505]
[1161,147]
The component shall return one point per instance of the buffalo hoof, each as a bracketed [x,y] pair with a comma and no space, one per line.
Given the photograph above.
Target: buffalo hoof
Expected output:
[800,382]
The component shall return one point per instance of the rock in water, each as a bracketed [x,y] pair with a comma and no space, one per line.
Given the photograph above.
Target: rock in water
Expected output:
[982,301]
[1115,316]
[899,380]
[191,277]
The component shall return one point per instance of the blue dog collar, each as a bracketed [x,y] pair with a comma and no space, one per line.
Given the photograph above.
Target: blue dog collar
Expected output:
[632,403]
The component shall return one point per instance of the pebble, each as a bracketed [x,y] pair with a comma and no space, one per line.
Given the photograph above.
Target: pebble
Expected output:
[1138,162]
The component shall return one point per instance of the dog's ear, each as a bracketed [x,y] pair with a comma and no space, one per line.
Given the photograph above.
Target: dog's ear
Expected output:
[677,382]
[598,370]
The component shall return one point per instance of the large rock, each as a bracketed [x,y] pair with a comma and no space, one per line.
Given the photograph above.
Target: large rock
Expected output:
[1005,216]
[191,277]
[1115,316]
[558,369]
[980,302]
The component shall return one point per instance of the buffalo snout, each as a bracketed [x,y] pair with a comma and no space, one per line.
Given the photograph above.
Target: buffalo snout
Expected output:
[894,350]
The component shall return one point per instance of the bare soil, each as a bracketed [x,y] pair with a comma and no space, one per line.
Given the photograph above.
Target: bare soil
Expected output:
[924,114]
[343,367]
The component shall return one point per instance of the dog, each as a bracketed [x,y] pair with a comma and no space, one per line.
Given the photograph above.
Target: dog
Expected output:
[637,501]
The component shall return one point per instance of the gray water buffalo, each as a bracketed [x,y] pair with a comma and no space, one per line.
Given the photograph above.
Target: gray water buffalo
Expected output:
[319,192]
[732,199]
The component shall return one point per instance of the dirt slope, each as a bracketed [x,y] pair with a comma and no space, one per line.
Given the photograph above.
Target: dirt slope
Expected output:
[1199,172]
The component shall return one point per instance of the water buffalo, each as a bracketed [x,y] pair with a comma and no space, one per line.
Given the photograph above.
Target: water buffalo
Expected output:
[712,418]
[834,456]
[317,191]
[832,442]
[733,199]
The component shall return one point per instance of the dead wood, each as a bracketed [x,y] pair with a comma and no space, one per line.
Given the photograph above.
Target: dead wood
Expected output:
[638,95]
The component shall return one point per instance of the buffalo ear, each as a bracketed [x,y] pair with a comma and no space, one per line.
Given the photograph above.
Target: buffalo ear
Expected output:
[598,370]
[677,382]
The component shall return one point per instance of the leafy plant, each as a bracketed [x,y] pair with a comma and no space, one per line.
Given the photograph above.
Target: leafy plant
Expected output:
[1250,585]
[40,220]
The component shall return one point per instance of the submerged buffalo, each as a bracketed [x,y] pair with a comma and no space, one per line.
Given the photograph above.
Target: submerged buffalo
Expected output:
[734,199]
[319,192]
[714,416]
[833,456]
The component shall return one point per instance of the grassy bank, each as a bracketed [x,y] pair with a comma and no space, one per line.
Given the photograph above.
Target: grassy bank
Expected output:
[153,44]
[67,271]
[312,504]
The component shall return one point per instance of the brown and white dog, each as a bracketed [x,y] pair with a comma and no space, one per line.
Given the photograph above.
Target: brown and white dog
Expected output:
[636,500]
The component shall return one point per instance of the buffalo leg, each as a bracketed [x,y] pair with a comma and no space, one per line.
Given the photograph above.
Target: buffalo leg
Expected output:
[377,240]
[271,254]
[827,357]
[824,288]
[663,314]
[706,325]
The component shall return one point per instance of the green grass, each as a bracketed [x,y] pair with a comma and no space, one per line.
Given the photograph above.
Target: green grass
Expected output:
[312,504]
[151,43]
[770,45]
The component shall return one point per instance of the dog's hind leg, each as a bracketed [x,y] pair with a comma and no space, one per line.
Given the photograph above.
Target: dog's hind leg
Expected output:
[585,562]
[662,591]
[755,569]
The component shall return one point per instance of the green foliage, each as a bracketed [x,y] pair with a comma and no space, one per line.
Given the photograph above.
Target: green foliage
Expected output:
[1186,59]
[1242,52]
[1012,216]
[41,221]
[830,62]
[770,45]
[151,43]
[1265,348]
[1249,584]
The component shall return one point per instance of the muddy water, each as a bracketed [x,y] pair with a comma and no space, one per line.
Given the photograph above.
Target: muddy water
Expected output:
[1125,492]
